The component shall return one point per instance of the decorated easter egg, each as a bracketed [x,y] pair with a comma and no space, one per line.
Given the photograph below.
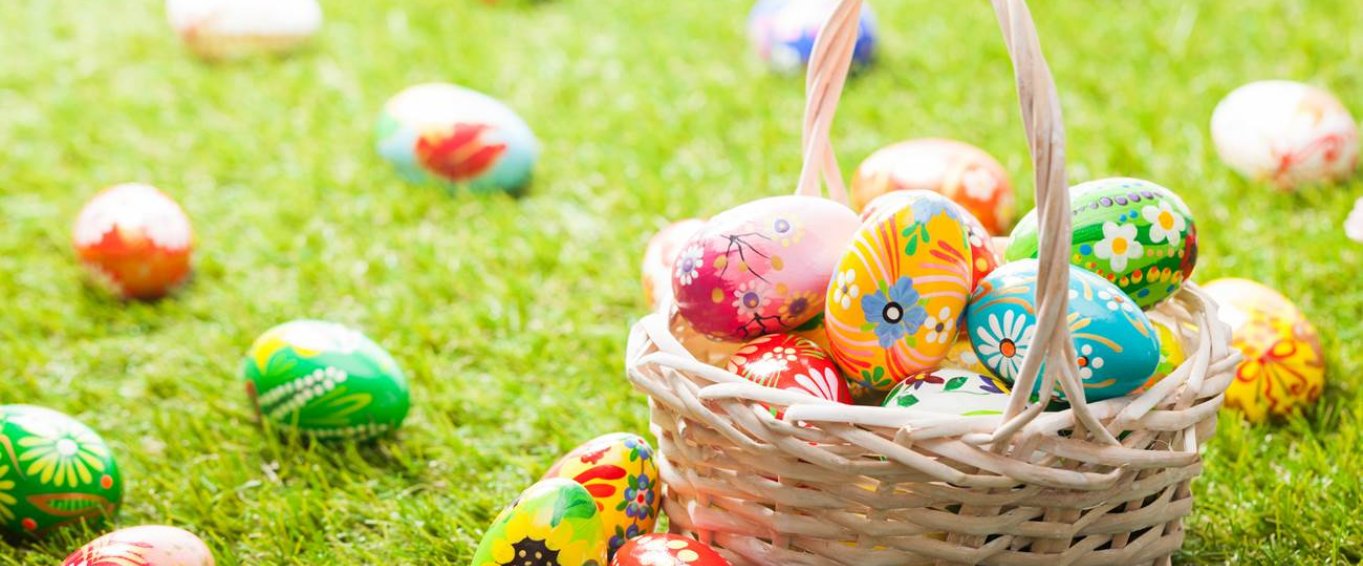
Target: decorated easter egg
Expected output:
[1283,370]
[454,137]
[54,472]
[951,391]
[134,241]
[761,267]
[1286,133]
[620,473]
[229,29]
[1133,233]
[783,32]
[984,252]
[1117,347]
[787,361]
[148,545]
[552,523]
[659,256]
[959,171]
[897,295]
[326,381]
[663,549]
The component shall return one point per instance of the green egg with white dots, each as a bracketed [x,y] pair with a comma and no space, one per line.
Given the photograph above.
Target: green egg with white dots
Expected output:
[326,381]
[1138,235]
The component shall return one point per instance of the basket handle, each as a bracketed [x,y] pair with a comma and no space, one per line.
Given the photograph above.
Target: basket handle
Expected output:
[828,67]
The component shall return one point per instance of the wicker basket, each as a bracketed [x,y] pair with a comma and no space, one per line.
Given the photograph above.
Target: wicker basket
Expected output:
[1100,483]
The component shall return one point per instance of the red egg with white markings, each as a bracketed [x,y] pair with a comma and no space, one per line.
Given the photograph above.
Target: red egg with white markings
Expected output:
[134,241]
[786,361]
[663,549]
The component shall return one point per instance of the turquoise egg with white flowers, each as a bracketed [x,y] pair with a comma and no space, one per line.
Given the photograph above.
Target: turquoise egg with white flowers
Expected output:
[1116,346]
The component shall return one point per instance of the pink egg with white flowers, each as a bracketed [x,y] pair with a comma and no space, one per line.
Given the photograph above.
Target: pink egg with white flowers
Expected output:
[761,267]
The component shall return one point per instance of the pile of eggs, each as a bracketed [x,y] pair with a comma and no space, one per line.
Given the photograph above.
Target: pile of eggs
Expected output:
[597,505]
[910,303]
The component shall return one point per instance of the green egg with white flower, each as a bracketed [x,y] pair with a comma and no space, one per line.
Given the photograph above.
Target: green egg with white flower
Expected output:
[326,381]
[54,472]
[1136,234]
[950,391]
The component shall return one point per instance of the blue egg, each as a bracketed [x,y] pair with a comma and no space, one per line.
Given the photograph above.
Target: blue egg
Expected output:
[1117,346]
[783,32]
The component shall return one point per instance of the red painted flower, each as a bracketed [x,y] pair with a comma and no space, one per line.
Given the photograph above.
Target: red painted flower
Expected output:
[460,153]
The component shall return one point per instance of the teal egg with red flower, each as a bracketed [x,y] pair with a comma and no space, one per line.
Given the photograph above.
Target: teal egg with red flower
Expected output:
[790,362]
[54,472]
[1135,234]
[665,549]
[1117,347]
[455,137]
[620,471]
[952,392]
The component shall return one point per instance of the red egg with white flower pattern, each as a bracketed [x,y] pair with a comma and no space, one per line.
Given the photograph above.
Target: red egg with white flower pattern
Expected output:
[761,267]
[662,549]
[135,241]
[984,249]
[789,362]
[659,256]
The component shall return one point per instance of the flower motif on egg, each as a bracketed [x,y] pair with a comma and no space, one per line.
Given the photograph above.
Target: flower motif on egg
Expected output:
[661,549]
[1004,345]
[943,326]
[752,298]
[845,289]
[1165,224]
[554,522]
[787,231]
[60,454]
[894,312]
[1118,245]
[688,265]
[1088,362]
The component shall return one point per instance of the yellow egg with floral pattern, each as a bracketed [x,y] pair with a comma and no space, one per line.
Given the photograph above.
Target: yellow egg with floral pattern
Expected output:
[898,293]
[620,473]
[552,523]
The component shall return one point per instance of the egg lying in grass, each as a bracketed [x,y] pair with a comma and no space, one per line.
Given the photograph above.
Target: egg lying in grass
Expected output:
[55,472]
[620,473]
[662,549]
[229,29]
[966,174]
[149,545]
[783,32]
[1117,346]
[552,523]
[454,137]
[761,267]
[898,292]
[1134,233]
[134,241]
[787,361]
[325,380]
[1283,370]
[1286,133]
[659,257]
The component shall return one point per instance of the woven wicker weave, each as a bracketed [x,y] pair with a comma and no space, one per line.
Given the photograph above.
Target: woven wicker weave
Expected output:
[1100,483]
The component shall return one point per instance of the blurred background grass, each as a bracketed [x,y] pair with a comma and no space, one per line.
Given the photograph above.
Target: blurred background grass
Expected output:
[510,316]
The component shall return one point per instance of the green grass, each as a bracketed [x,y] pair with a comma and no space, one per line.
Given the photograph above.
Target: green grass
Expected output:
[510,316]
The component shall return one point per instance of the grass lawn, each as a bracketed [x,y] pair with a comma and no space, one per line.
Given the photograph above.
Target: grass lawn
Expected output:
[509,316]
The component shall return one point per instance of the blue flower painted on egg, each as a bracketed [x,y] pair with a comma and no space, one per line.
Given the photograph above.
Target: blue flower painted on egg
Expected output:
[894,312]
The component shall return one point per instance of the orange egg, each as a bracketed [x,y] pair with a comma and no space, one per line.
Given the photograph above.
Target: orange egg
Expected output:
[135,241]
[962,172]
